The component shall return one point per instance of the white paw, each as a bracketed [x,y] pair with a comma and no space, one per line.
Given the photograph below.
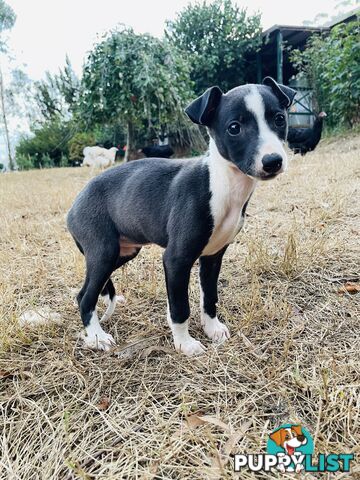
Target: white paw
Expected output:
[99,341]
[190,347]
[183,341]
[214,329]
[120,299]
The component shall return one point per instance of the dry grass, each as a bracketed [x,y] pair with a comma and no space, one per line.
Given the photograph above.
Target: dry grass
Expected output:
[294,353]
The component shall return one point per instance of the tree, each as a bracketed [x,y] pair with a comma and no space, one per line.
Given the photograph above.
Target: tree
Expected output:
[58,94]
[217,38]
[50,110]
[135,80]
[7,21]
[332,65]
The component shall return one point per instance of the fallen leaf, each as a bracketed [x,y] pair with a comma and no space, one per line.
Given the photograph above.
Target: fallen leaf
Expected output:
[194,421]
[103,404]
[215,421]
[128,350]
[153,470]
[221,459]
[155,348]
[235,437]
[5,373]
[350,287]
[256,351]
[217,468]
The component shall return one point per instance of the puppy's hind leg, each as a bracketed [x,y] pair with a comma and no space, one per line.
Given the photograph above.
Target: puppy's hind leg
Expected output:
[110,299]
[108,293]
[109,296]
[100,265]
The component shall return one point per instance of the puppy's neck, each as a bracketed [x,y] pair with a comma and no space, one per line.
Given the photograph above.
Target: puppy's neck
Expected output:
[229,186]
[226,172]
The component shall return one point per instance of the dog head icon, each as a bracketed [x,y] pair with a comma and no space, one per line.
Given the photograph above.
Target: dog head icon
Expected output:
[289,438]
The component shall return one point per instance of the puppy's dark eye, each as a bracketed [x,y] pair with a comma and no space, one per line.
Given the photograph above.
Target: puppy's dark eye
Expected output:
[234,128]
[280,120]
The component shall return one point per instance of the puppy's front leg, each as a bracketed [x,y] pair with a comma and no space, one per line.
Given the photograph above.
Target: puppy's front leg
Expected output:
[177,274]
[209,274]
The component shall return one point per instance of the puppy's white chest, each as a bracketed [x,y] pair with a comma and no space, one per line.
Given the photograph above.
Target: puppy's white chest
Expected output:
[230,190]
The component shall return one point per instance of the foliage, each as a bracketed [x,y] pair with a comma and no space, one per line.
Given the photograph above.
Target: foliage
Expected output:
[7,21]
[77,144]
[24,161]
[216,37]
[133,88]
[332,65]
[110,135]
[57,95]
[134,79]
[47,146]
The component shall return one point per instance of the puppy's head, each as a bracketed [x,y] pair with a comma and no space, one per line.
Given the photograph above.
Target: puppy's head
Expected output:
[248,125]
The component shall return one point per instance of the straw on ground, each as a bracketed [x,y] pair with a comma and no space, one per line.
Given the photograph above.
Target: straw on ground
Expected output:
[149,412]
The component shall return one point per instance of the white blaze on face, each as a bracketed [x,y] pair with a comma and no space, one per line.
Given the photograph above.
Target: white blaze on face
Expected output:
[269,142]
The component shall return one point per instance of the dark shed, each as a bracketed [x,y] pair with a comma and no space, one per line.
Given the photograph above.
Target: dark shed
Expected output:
[273,57]
[273,60]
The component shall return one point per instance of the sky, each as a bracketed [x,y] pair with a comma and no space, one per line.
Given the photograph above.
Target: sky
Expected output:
[47,30]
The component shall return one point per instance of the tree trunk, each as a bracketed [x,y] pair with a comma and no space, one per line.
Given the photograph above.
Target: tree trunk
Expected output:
[3,112]
[130,152]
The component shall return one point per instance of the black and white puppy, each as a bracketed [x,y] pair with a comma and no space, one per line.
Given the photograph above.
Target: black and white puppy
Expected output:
[191,208]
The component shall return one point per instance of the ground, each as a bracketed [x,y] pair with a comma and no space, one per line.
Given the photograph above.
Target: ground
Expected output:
[149,412]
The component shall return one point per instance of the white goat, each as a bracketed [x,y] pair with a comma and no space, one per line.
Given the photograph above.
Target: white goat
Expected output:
[99,157]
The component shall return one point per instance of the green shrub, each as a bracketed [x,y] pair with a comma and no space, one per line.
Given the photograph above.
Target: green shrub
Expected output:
[46,161]
[46,147]
[64,161]
[332,65]
[25,161]
[77,144]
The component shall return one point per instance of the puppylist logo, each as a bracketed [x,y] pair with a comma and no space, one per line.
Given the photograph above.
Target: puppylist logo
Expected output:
[290,448]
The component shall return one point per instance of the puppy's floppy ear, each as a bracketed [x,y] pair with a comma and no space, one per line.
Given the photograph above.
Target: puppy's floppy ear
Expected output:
[278,437]
[285,94]
[297,429]
[202,109]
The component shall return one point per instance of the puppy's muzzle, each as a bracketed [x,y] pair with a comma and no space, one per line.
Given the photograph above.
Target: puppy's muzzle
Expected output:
[272,163]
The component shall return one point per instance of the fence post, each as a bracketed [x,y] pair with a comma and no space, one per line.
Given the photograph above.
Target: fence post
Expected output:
[279,56]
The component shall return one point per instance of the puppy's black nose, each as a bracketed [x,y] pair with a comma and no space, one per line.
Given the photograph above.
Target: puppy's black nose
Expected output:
[272,163]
